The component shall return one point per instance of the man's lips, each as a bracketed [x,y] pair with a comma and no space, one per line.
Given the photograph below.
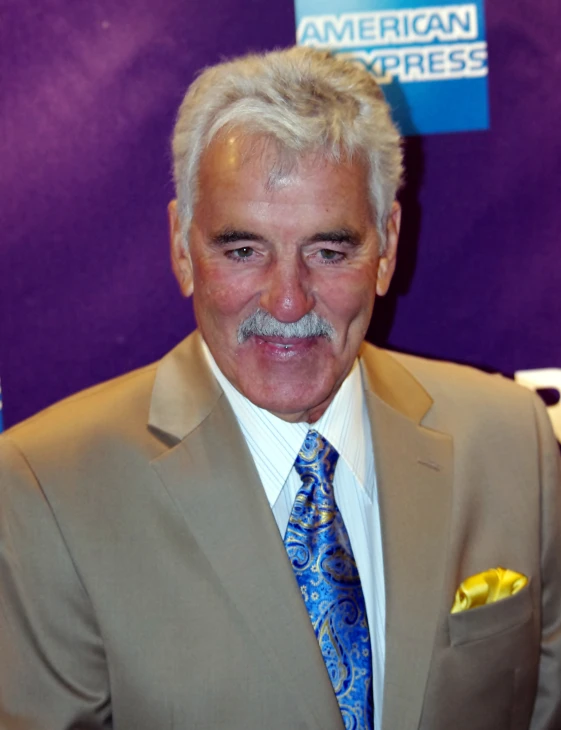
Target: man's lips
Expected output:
[285,341]
[284,348]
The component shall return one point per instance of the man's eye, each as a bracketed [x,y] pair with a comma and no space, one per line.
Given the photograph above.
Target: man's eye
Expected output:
[328,254]
[239,254]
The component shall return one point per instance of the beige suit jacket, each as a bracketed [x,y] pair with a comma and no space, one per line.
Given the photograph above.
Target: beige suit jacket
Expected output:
[142,576]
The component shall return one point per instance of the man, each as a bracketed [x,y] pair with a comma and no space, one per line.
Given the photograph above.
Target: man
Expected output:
[269,528]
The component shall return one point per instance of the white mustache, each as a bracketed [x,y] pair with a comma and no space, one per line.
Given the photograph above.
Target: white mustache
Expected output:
[263,324]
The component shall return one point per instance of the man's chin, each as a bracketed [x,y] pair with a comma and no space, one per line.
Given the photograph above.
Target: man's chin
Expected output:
[289,377]
[290,398]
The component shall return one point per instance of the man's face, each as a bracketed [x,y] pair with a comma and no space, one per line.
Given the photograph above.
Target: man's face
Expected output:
[306,245]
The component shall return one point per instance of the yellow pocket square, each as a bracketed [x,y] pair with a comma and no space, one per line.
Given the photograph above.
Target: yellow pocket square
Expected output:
[487,587]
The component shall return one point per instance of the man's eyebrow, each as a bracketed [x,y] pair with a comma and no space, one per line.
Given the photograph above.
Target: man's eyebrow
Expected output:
[339,235]
[232,235]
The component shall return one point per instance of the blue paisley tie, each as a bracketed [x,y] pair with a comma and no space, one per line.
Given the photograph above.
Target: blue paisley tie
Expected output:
[319,549]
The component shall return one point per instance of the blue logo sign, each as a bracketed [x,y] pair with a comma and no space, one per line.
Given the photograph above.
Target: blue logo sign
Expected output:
[431,61]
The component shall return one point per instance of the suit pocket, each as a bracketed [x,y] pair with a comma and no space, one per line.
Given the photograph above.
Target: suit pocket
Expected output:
[495,618]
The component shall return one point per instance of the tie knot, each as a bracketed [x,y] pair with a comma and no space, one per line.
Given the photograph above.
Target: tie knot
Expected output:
[316,458]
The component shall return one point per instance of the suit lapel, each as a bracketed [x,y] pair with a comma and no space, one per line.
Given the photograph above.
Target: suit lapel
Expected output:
[211,478]
[414,478]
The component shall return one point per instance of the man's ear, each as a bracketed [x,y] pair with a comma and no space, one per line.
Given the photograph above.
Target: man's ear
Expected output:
[387,261]
[180,259]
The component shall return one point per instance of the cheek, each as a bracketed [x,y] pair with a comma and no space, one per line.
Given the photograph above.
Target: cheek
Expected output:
[350,296]
[221,290]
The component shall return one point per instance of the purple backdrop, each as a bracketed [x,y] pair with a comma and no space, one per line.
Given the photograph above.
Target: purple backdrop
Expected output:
[88,97]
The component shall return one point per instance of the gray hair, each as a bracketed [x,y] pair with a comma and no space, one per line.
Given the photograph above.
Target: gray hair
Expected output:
[304,100]
[263,324]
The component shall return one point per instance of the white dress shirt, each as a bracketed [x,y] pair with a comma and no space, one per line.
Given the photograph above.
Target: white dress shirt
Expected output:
[274,445]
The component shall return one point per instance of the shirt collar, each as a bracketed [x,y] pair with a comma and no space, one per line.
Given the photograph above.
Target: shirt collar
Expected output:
[274,443]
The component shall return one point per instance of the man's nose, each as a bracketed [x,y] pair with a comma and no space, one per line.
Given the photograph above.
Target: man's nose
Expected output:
[287,293]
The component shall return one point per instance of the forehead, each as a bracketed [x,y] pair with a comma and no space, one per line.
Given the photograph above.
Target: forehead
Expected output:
[237,170]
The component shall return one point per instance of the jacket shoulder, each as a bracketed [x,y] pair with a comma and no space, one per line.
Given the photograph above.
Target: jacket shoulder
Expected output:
[462,396]
[441,378]
[111,408]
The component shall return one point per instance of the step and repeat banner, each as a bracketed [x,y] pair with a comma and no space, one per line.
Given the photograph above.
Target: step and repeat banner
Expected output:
[430,59]
[87,103]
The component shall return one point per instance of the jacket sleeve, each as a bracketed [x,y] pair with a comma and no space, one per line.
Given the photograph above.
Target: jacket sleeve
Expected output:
[547,708]
[52,662]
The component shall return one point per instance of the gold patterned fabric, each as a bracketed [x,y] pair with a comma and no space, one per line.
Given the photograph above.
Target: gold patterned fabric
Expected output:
[487,587]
